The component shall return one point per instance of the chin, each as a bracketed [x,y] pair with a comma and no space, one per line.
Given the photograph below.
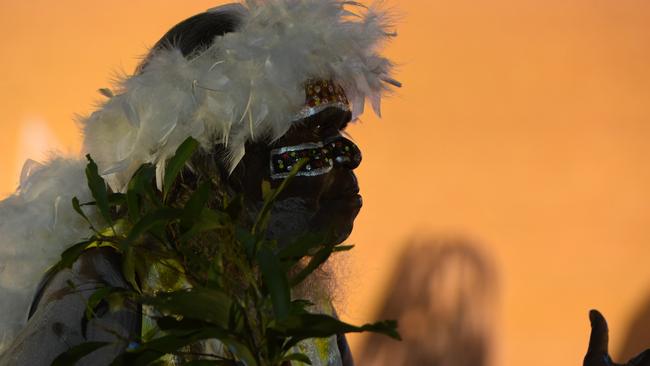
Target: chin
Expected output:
[296,216]
[338,216]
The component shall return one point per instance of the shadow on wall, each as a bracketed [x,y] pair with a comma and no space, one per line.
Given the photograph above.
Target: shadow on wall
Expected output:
[442,294]
[637,337]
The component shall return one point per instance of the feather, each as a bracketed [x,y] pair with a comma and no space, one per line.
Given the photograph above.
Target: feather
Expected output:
[130,113]
[29,168]
[274,47]
[37,224]
[108,93]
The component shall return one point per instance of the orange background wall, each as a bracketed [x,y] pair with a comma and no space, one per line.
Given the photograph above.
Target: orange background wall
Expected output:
[523,124]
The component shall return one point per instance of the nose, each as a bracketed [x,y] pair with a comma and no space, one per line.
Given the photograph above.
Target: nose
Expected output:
[345,153]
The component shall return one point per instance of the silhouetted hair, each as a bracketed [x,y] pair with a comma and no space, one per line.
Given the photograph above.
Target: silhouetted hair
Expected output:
[195,34]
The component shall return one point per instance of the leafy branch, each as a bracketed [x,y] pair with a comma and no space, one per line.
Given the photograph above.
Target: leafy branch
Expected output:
[217,277]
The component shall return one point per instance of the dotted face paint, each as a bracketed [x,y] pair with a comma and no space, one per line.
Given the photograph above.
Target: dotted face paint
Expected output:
[323,157]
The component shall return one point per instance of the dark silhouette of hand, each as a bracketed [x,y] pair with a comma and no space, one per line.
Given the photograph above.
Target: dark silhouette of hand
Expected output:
[597,354]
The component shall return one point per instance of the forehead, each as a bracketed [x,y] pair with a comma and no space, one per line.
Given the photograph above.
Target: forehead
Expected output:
[314,128]
[331,117]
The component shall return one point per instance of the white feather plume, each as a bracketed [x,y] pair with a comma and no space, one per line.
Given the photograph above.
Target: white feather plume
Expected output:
[248,85]
[36,225]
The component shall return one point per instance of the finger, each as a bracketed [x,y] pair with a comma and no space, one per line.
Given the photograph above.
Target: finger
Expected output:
[599,339]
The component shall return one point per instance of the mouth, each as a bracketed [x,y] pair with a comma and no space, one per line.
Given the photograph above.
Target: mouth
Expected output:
[343,207]
[345,198]
[353,201]
[337,211]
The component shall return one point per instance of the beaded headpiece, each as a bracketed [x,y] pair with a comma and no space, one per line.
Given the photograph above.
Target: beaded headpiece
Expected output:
[323,94]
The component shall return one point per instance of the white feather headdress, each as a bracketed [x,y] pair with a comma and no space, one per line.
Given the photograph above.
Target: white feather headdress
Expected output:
[247,85]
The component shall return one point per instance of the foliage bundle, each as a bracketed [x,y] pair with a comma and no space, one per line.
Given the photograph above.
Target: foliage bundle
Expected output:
[216,277]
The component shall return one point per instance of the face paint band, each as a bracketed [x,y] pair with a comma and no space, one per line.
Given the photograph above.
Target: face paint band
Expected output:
[323,156]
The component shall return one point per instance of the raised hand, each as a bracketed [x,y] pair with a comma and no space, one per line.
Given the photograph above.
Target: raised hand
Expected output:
[598,354]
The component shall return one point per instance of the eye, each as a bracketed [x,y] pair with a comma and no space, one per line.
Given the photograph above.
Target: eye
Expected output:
[344,125]
[328,130]
[327,123]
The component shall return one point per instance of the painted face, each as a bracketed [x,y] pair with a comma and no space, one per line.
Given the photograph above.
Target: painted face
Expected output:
[322,157]
[324,196]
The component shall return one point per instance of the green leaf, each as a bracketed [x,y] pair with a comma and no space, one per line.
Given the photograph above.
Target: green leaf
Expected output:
[276,282]
[119,299]
[151,351]
[240,351]
[215,273]
[77,207]
[95,299]
[303,326]
[247,240]
[266,190]
[172,325]
[140,186]
[70,255]
[176,164]
[194,207]
[235,207]
[300,306]
[303,245]
[71,285]
[133,203]
[300,357]
[128,267]
[263,216]
[316,261]
[185,326]
[76,353]
[205,304]
[160,216]
[236,318]
[343,248]
[211,363]
[116,199]
[98,189]
[208,220]
[170,344]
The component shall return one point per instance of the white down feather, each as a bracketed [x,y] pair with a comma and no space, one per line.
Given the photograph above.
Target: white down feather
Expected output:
[36,225]
[248,85]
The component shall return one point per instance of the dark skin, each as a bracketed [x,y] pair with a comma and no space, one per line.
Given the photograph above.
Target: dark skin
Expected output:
[598,353]
[326,203]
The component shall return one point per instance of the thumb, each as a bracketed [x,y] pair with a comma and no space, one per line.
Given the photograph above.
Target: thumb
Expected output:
[599,339]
